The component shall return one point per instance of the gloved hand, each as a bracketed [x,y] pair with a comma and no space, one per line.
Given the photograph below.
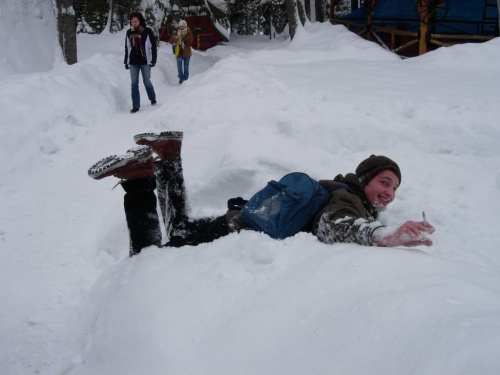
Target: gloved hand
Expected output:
[127,67]
[152,64]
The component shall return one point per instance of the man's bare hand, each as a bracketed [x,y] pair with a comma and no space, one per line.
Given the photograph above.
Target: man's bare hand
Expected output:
[411,233]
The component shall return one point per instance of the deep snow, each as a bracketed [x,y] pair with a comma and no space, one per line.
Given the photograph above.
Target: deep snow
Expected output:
[28,36]
[252,110]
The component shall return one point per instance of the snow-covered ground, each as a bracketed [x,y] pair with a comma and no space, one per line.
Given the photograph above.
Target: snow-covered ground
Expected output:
[27,36]
[252,110]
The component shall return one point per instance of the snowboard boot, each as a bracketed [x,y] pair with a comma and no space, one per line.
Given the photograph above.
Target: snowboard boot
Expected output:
[167,145]
[136,163]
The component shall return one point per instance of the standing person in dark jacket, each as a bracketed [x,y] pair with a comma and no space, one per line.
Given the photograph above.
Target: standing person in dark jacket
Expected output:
[182,38]
[349,215]
[140,55]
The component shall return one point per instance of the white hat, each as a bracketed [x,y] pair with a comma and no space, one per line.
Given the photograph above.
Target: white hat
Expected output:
[182,23]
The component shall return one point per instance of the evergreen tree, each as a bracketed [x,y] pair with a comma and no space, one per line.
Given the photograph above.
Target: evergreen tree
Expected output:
[342,7]
[322,10]
[121,12]
[274,17]
[92,15]
[292,14]
[244,16]
[66,26]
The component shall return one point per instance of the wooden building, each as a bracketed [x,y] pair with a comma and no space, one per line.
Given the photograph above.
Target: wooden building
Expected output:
[206,33]
[413,27]
[206,30]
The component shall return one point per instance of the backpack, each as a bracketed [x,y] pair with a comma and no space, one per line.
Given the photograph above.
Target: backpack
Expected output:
[284,207]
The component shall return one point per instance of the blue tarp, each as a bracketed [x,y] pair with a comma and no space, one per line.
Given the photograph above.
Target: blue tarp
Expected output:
[464,17]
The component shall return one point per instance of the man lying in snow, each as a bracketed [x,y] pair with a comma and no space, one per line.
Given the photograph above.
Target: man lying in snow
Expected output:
[349,215]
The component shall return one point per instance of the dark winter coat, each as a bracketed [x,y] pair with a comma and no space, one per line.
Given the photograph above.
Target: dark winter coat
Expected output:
[346,217]
[140,47]
[187,40]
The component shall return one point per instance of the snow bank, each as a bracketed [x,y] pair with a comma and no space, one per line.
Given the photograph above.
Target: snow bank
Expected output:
[28,36]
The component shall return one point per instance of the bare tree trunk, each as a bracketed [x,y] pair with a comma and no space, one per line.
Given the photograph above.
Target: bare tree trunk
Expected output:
[109,25]
[296,15]
[319,11]
[302,11]
[307,4]
[291,12]
[66,24]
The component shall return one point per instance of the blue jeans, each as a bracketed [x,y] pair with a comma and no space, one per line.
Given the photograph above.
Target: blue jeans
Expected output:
[184,75]
[146,79]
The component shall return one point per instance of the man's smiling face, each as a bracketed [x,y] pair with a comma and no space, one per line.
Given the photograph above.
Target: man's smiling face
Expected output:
[381,190]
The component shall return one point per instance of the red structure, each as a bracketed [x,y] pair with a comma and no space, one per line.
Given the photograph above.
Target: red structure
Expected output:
[206,34]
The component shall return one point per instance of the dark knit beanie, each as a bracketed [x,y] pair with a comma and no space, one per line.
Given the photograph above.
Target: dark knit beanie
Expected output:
[372,166]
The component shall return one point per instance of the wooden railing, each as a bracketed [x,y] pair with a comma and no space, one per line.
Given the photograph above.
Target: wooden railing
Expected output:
[410,38]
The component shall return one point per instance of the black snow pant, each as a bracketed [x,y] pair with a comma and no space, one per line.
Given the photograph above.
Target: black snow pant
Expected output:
[142,217]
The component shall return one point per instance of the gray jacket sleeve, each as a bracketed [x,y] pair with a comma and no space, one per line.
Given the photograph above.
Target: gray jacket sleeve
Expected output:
[346,230]
[344,219]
